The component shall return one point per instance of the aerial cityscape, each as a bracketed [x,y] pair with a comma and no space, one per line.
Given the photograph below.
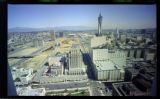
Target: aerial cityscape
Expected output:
[82,50]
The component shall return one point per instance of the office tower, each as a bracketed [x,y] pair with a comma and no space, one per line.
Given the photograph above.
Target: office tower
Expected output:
[38,43]
[117,33]
[97,41]
[138,53]
[100,24]
[149,56]
[143,31]
[75,57]
[108,65]
[75,61]
[123,37]
[131,53]
[60,34]
[53,35]
[117,57]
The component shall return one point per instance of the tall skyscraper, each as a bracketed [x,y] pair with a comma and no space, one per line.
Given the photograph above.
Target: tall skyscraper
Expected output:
[75,57]
[53,35]
[117,32]
[99,24]
[60,34]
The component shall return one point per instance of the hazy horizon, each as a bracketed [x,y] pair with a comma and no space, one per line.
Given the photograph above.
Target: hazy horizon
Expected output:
[43,16]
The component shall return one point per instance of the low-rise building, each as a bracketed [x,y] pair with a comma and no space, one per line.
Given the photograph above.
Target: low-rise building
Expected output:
[139,38]
[22,76]
[28,91]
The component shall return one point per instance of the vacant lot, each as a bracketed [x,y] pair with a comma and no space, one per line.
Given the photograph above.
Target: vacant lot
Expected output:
[65,47]
[13,61]
[35,62]
[25,52]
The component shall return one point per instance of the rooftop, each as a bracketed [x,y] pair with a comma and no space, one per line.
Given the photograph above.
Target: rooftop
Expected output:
[133,70]
[127,89]
[105,65]
[75,45]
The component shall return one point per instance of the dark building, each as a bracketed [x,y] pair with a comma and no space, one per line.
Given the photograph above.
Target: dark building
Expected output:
[140,86]
[143,82]
[61,34]
[143,31]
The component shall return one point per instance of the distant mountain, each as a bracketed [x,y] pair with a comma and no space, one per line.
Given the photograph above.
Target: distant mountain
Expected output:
[26,29]
[73,28]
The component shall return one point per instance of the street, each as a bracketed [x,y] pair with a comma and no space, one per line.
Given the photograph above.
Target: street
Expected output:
[58,86]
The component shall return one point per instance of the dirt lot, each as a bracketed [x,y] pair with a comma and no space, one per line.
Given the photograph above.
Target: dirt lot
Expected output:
[35,62]
[25,52]
[12,61]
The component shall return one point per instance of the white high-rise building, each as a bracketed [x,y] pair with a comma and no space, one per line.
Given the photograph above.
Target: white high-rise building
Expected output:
[98,41]
[123,37]
[108,65]
[117,57]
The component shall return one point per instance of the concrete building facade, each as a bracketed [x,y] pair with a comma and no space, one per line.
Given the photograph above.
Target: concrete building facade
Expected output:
[108,65]
[75,61]
[123,37]
[75,57]
[97,41]
[23,74]
[53,35]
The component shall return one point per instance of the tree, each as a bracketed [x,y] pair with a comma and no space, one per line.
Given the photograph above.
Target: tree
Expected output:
[65,90]
[17,80]
[34,71]
[143,71]
[82,92]
[77,90]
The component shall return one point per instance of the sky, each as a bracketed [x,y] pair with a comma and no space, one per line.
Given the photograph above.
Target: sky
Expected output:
[121,16]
